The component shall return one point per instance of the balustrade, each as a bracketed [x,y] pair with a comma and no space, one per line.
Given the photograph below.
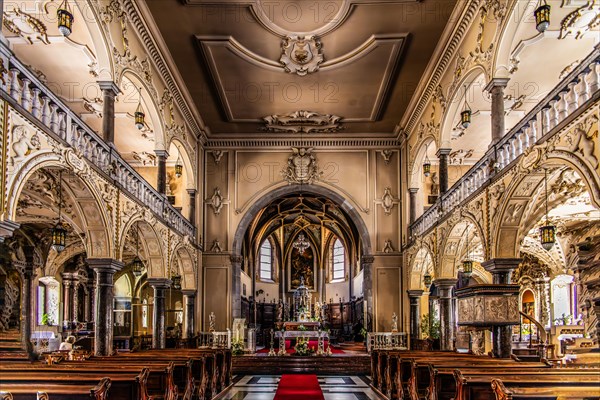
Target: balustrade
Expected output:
[42,105]
[565,99]
[386,341]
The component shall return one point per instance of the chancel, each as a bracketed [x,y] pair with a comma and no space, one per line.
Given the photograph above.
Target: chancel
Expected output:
[349,199]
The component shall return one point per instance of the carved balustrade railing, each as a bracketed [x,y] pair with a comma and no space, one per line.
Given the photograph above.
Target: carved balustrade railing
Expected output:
[386,341]
[36,101]
[214,340]
[571,96]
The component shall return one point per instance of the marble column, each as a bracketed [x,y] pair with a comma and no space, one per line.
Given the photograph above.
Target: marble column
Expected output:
[159,333]
[443,168]
[104,271]
[189,310]
[75,299]
[496,89]
[192,216]
[367,264]
[414,297]
[501,270]
[92,299]
[87,304]
[27,299]
[109,92]
[236,286]
[413,204]
[447,323]
[67,281]
[161,160]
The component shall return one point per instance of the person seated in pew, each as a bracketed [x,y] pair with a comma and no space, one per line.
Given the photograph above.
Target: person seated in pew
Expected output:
[67,344]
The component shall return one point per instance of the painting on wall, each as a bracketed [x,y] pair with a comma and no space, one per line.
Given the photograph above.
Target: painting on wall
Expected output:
[302,265]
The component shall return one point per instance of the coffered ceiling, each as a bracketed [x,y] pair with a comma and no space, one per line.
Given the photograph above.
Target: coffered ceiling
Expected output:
[341,67]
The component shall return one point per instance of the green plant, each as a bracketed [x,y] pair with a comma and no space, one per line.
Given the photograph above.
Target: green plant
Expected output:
[46,320]
[237,347]
[363,332]
[301,347]
[430,327]
[302,328]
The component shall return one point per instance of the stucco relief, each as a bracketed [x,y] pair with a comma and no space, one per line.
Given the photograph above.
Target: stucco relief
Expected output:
[216,201]
[301,55]
[302,167]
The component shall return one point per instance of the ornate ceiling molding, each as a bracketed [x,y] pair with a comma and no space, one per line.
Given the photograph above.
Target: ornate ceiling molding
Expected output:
[150,36]
[321,143]
[301,55]
[303,122]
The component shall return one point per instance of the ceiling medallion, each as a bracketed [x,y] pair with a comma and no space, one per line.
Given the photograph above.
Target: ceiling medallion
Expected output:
[303,122]
[300,55]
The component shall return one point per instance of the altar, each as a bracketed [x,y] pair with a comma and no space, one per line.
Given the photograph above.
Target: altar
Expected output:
[307,326]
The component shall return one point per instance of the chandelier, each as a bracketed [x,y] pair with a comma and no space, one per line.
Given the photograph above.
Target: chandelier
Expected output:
[59,233]
[548,231]
[301,244]
[137,265]
[467,262]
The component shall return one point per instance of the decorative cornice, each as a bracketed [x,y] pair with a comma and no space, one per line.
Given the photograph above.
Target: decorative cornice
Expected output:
[320,143]
[157,49]
[445,51]
[302,121]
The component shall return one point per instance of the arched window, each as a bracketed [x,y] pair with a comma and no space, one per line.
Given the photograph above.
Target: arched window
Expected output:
[338,261]
[266,261]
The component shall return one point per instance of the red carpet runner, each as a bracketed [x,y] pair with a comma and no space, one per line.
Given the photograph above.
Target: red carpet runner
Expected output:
[299,387]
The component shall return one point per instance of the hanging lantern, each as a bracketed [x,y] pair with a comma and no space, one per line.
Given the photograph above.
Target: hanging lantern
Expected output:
[465,114]
[137,266]
[542,17]
[548,236]
[65,19]
[427,280]
[467,268]
[59,237]
[139,117]
[176,281]
[178,168]
[426,167]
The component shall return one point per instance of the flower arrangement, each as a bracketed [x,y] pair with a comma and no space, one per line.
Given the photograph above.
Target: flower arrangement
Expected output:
[237,347]
[301,347]
[302,328]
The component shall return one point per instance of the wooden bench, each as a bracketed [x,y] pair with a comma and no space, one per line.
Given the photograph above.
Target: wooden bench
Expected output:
[55,391]
[576,392]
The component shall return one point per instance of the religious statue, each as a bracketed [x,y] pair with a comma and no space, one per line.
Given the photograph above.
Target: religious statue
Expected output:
[280,311]
[211,322]
[317,312]
[394,322]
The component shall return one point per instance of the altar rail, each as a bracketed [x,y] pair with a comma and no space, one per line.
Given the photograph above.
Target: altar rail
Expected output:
[386,341]
[579,87]
[214,340]
[22,88]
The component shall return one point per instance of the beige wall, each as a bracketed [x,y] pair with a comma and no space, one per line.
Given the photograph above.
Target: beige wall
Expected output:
[360,176]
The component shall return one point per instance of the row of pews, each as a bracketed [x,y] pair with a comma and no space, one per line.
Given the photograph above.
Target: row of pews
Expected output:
[418,375]
[188,374]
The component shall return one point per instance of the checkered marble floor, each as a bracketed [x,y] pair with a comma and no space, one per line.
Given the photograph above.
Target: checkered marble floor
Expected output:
[263,387]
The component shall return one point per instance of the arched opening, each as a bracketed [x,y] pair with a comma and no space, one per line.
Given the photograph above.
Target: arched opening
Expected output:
[307,239]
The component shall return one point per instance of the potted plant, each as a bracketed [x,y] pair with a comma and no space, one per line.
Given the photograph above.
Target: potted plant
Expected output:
[237,347]
[430,330]
[301,347]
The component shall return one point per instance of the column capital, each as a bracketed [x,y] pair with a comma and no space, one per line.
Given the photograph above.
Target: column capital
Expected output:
[367,259]
[413,190]
[501,265]
[415,292]
[443,152]
[236,259]
[496,82]
[191,192]
[445,283]
[105,264]
[159,283]
[110,87]
[188,292]
[162,153]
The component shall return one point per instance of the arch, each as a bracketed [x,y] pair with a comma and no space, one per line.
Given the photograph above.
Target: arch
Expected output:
[149,105]
[184,262]
[151,245]
[188,165]
[91,210]
[451,240]
[265,200]
[510,228]
[456,102]
[422,262]
[417,166]
[103,53]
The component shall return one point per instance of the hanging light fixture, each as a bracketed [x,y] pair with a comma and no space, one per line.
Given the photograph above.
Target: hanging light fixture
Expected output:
[176,281]
[542,16]
[59,233]
[137,265]
[426,163]
[301,244]
[548,231]
[139,114]
[427,280]
[467,263]
[65,19]
[465,114]
[178,167]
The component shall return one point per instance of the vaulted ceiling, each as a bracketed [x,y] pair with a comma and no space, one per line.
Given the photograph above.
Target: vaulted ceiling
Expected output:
[354,63]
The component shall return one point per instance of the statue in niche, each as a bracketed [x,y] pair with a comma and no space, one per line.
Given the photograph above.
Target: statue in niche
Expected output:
[302,268]
[394,322]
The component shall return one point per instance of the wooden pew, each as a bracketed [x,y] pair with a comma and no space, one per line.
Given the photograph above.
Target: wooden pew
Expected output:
[575,392]
[56,391]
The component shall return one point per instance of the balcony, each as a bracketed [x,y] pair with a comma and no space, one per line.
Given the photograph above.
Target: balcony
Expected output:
[22,89]
[571,97]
